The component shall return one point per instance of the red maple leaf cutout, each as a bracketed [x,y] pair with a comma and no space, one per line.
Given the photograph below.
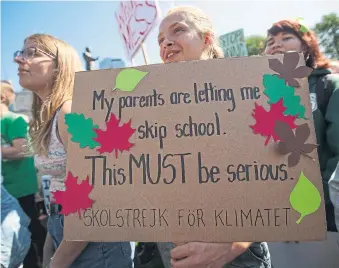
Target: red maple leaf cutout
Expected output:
[265,121]
[75,197]
[115,137]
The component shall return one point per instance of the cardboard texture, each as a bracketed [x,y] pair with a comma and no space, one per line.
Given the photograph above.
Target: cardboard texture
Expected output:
[195,170]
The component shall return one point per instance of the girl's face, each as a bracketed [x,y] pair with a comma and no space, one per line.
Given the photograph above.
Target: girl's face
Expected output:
[179,40]
[35,67]
[283,42]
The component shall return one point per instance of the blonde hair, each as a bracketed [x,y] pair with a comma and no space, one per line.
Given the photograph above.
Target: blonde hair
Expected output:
[6,91]
[203,25]
[67,62]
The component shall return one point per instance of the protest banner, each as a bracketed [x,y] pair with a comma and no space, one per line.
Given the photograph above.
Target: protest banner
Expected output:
[233,44]
[215,150]
[135,20]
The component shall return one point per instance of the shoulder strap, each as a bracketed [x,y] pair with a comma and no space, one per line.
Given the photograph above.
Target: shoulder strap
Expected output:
[56,113]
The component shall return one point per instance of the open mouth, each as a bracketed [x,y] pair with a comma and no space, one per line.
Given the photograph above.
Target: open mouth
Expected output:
[171,55]
[278,52]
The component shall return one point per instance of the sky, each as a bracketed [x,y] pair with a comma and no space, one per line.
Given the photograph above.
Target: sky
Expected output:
[93,24]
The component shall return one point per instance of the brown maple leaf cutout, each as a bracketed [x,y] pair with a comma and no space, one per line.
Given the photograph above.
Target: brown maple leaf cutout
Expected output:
[288,70]
[293,144]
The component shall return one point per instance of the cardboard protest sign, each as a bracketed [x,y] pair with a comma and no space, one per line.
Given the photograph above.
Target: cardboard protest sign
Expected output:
[217,150]
[233,44]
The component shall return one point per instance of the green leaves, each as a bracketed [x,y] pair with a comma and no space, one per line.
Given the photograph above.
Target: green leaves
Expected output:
[128,79]
[305,197]
[81,129]
[276,88]
[294,107]
[303,28]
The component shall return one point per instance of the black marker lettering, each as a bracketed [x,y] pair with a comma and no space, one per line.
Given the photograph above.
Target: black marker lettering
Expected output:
[218,217]
[180,216]
[161,216]
[120,217]
[200,215]
[102,217]
[136,215]
[97,97]
[152,225]
[94,158]
[87,216]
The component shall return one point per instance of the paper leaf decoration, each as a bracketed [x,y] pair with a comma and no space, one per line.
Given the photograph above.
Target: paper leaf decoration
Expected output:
[75,197]
[265,120]
[293,144]
[276,89]
[303,27]
[288,70]
[305,197]
[115,137]
[81,129]
[128,79]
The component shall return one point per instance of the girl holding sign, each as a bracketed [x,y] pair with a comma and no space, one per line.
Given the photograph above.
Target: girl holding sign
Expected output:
[47,67]
[286,36]
[289,35]
[186,33]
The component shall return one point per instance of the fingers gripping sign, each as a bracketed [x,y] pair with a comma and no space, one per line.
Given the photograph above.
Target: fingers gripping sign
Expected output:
[201,255]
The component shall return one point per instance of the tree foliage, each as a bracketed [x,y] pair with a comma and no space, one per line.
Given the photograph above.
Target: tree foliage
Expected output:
[328,34]
[255,44]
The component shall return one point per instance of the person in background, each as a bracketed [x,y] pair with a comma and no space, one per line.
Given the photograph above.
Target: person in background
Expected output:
[18,171]
[15,236]
[285,36]
[47,67]
[185,34]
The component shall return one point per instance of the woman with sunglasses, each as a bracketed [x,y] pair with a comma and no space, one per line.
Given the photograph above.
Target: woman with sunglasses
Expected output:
[47,66]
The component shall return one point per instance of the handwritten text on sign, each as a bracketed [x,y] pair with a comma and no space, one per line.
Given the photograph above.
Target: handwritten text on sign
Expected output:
[176,157]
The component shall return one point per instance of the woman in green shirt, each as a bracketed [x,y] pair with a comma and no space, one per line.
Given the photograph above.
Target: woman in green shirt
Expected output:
[18,171]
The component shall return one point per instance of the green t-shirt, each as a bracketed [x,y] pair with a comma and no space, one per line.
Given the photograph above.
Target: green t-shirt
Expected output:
[19,176]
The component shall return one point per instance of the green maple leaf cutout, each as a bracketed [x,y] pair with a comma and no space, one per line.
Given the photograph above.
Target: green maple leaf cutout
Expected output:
[276,88]
[293,106]
[305,197]
[128,79]
[303,27]
[81,129]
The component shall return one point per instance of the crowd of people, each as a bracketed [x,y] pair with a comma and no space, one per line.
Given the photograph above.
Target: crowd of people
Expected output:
[47,67]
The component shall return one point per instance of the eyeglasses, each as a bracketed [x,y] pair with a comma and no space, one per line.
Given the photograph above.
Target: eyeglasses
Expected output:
[31,52]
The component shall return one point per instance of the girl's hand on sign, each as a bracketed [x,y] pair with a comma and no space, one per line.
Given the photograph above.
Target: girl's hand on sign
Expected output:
[177,244]
[202,255]
[335,67]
